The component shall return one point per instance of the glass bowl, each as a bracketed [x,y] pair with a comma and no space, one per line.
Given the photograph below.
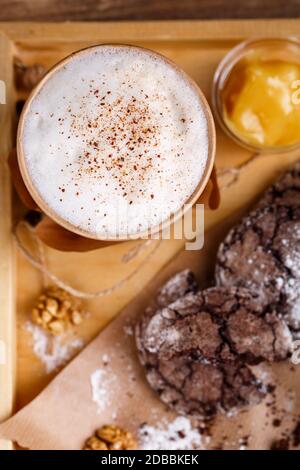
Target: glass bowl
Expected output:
[262,49]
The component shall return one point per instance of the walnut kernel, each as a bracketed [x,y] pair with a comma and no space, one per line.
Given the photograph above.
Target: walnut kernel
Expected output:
[110,437]
[56,310]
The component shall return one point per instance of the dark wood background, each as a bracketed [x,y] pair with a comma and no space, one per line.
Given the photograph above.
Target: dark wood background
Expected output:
[60,10]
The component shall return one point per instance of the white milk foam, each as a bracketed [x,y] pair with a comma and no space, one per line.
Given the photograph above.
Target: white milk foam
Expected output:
[115,141]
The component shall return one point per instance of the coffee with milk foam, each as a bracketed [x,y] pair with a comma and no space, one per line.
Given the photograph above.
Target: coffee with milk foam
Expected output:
[115,141]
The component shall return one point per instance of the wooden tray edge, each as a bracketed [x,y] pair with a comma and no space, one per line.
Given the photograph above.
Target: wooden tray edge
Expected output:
[7,259]
[42,34]
[183,30]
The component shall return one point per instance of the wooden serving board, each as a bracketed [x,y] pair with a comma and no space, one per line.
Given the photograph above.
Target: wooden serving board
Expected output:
[7,258]
[197,46]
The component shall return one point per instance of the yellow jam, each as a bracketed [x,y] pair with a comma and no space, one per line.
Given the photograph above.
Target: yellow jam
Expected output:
[259,103]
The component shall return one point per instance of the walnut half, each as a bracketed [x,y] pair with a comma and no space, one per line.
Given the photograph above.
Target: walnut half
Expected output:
[110,437]
[56,310]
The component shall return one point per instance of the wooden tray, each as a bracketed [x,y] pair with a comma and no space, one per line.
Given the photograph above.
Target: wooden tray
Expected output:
[197,46]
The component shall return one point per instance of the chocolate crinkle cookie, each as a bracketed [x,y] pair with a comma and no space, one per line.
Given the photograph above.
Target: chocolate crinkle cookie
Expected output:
[177,286]
[285,191]
[262,253]
[196,350]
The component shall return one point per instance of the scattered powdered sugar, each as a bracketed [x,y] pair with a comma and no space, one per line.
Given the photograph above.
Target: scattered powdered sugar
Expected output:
[291,260]
[279,282]
[105,383]
[131,375]
[264,373]
[289,401]
[292,291]
[106,359]
[177,435]
[293,263]
[101,382]
[128,329]
[243,444]
[53,351]
[158,333]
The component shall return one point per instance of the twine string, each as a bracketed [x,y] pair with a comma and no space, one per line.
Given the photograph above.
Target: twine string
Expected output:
[234,172]
[41,256]
[135,251]
[41,266]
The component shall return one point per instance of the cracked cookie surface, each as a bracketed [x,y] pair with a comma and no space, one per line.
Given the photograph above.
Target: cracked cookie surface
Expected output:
[177,286]
[196,350]
[285,191]
[262,253]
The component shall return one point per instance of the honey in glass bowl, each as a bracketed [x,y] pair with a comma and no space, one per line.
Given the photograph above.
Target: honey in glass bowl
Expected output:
[255,94]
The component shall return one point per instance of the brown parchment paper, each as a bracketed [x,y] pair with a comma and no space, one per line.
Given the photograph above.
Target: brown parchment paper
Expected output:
[64,414]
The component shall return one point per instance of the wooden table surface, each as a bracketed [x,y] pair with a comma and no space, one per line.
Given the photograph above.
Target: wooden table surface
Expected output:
[61,10]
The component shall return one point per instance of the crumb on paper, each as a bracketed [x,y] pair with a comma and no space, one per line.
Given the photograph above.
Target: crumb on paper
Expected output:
[177,435]
[53,351]
[128,329]
[105,359]
[243,443]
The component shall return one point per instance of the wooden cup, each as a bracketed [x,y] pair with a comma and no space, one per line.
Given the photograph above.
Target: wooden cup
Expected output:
[53,228]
